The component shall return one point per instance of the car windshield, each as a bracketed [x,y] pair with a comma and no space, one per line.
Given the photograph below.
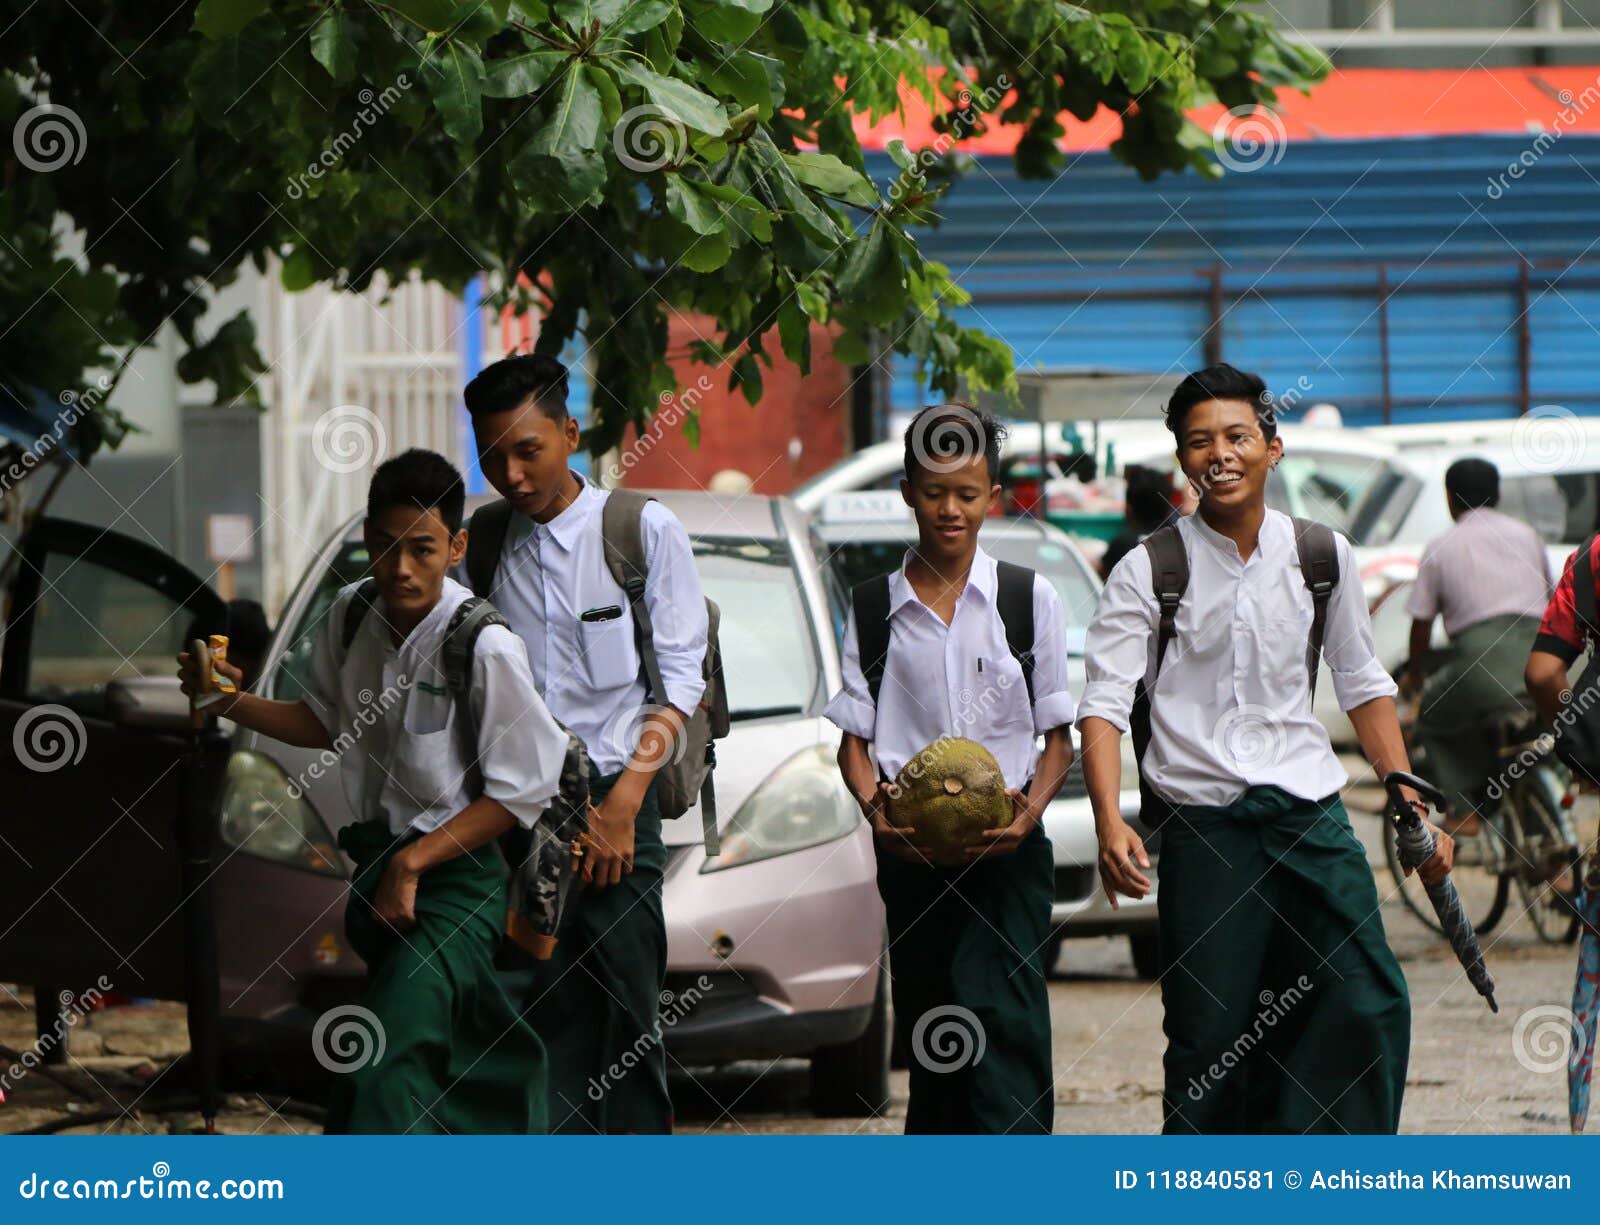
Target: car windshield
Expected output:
[854,561]
[1383,508]
[769,653]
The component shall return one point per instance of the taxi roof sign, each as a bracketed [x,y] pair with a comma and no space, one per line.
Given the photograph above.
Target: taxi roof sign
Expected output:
[865,506]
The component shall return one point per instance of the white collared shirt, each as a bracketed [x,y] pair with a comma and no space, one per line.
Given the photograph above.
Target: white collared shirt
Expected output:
[1487,565]
[551,574]
[1232,706]
[393,721]
[958,679]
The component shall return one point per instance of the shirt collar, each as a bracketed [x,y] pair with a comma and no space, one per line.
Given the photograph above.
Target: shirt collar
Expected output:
[564,528]
[1266,541]
[426,633]
[981,579]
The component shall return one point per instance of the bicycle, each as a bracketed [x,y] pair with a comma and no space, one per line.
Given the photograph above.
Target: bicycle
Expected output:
[1525,836]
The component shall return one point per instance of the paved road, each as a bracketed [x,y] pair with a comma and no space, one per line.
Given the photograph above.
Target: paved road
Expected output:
[1465,1074]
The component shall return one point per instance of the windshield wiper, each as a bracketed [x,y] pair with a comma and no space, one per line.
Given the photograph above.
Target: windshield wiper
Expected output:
[762,712]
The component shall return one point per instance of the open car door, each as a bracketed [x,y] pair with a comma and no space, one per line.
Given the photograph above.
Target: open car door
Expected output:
[91,843]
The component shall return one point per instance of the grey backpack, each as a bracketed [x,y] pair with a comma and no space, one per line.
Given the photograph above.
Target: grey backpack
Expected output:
[686,776]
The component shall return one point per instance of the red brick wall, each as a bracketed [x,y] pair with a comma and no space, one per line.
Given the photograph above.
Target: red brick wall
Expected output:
[799,427]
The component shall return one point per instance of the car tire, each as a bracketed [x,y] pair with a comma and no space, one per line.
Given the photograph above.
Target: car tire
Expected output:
[1146,948]
[851,1080]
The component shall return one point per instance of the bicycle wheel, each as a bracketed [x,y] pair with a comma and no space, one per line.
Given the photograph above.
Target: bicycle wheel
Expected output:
[1548,851]
[1479,875]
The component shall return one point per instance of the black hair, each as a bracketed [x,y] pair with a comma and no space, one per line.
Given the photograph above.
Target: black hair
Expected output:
[248,632]
[1471,483]
[952,434]
[512,381]
[1221,382]
[424,479]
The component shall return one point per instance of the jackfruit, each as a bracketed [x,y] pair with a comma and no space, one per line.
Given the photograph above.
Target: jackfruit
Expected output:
[950,792]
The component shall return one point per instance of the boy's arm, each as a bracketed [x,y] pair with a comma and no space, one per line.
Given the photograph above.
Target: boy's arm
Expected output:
[290,722]
[476,825]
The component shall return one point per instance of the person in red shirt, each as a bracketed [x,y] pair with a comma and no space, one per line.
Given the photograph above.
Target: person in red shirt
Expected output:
[1558,643]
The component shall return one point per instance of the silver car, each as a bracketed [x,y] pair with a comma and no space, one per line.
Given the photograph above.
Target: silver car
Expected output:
[867,533]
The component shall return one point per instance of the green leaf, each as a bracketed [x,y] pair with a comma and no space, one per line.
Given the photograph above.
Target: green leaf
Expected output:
[694,208]
[580,13]
[813,303]
[456,75]
[851,349]
[678,99]
[299,271]
[223,18]
[228,80]
[559,183]
[521,75]
[432,15]
[832,177]
[794,333]
[641,15]
[696,252]
[726,21]
[1133,60]
[747,377]
[610,99]
[333,45]
[871,281]
[574,123]
[901,155]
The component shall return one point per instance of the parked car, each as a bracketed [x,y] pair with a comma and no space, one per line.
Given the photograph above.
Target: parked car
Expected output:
[775,948]
[861,535]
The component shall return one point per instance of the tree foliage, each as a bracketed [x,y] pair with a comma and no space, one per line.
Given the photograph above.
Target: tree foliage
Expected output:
[610,161]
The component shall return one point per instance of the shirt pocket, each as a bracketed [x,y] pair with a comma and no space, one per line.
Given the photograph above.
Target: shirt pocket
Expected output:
[1281,656]
[428,710]
[425,770]
[610,658]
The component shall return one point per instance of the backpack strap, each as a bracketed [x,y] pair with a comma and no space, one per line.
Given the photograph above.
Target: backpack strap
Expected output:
[486,538]
[356,611]
[471,617]
[1583,591]
[1319,566]
[1014,602]
[1169,579]
[869,601]
[622,534]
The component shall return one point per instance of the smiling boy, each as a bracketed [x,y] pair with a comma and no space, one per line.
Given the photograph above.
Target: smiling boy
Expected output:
[1268,911]
[428,898]
[966,944]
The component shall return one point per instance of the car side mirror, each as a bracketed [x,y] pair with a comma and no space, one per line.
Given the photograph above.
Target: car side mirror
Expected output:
[149,703]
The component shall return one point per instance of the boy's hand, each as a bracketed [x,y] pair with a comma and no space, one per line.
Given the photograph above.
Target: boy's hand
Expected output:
[1444,857]
[1122,854]
[892,839]
[608,844]
[194,685]
[1006,840]
[396,900]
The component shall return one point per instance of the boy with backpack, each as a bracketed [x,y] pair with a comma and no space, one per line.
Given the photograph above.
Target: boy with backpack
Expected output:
[435,779]
[602,587]
[1285,1008]
[956,644]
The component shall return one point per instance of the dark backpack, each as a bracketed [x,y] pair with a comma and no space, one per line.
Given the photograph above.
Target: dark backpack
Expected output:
[1013,600]
[686,776]
[1169,579]
[1578,730]
[540,859]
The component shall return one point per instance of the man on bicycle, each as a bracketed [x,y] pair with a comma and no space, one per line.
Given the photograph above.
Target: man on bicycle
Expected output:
[1489,577]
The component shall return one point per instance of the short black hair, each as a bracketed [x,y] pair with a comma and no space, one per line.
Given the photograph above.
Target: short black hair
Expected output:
[953,434]
[1472,483]
[419,478]
[512,381]
[1222,382]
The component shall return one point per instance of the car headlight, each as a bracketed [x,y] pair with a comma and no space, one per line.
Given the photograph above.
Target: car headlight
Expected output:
[264,815]
[802,803]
